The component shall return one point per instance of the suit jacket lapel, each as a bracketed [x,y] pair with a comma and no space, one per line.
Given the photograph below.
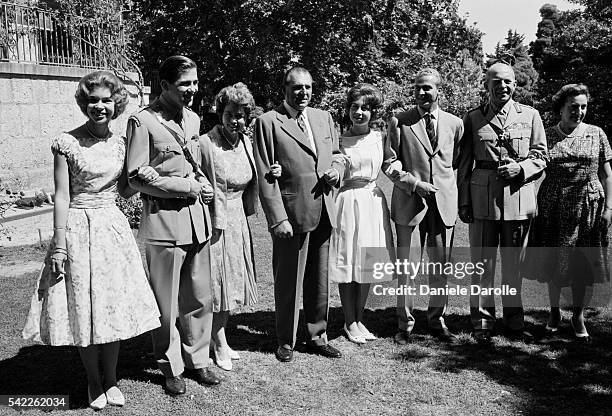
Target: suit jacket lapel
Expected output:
[290,127]
[418,129]
[317,129]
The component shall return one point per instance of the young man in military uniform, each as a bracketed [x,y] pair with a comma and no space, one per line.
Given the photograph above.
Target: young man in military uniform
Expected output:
[175,223]
[501,153]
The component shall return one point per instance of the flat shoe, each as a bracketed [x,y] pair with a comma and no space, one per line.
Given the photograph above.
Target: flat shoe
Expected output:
[357,340]
[367,335]
[99,403]
[551,329]
[114,397]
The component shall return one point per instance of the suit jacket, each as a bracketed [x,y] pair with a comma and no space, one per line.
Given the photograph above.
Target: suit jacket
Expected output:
[219,205]
[409,150]
[490,196]
[299,193]
[168,214]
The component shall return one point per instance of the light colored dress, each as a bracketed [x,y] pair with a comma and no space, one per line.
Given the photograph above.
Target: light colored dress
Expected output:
[571,201]
[105,295]
[362,213]
[231,256]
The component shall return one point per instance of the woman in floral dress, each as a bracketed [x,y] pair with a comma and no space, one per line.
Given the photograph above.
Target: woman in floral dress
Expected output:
[93,291]
[574,208]
[233,274]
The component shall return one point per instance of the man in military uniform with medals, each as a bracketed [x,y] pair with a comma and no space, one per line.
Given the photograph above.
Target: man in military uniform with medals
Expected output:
[501,154]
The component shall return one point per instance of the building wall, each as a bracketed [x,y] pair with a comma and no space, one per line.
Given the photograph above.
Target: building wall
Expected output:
[36,104]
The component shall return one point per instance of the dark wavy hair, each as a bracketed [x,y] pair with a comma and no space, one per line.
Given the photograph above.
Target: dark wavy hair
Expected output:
[372,97]
[102,79]
[237,94]
[172,68]
[566,91]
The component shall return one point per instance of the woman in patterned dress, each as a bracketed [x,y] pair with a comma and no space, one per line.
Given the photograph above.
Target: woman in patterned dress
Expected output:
[233,274]
[93,291]
[362,213]
[574,207]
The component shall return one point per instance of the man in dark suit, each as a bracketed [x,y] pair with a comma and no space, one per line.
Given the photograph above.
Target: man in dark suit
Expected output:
[299,209]
[421,148]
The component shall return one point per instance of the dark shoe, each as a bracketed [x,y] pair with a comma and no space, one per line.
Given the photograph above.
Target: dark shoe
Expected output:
[444,335]
[402,337]
[482,336]
[175,385]
[519,335]
[284,354]
[206,377]
[323,350]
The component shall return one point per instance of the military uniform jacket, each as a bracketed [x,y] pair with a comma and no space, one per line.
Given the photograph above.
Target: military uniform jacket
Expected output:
[169,215]
[490,196]
[409,150]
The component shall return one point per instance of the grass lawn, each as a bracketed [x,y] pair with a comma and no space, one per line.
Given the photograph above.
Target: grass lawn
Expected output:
[423,378]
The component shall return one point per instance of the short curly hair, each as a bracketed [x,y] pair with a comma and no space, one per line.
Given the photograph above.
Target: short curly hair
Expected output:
[371,95]
[103,79]
[566,91]
[238,94]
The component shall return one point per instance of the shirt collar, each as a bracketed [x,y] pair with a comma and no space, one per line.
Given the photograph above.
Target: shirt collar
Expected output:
[169,110]
[292,111]
[435,113]
[503,111]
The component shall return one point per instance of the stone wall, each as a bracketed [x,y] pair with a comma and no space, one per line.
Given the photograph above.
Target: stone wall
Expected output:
[36,104]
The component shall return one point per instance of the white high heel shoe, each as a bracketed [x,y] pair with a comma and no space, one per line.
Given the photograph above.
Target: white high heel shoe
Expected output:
[222,364]
[114,397]
[99,403]
[233,354]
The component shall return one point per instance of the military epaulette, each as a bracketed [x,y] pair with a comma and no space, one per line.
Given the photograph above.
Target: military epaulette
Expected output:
[518,106]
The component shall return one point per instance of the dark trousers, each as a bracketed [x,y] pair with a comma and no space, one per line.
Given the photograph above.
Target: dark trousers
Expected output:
[485,237]
[299,266]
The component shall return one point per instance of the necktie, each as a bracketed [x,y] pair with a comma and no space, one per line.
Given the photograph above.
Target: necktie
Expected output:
[431,130]
[301,122]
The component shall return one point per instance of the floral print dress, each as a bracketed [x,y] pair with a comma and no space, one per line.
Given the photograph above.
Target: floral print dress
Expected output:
[105,295]
[571,201]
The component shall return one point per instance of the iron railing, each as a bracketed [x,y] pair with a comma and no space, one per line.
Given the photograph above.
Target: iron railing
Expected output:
[33,35]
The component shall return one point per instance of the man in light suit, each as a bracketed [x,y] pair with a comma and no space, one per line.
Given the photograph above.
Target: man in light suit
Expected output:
[421,147]
[502,153]
[176,224]
[299,208]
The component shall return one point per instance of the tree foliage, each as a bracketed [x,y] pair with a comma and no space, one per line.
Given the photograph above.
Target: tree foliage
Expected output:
[576,47]
[384,42]
[526,75]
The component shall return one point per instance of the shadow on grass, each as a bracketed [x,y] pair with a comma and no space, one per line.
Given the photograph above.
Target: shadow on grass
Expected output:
[555,376]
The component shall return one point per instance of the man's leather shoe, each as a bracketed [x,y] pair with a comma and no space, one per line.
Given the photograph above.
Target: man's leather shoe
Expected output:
[323,350]
[482,336]
[519,335]
[175,385]
[444,335]
[284,354]
[206,376]
[402,337]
